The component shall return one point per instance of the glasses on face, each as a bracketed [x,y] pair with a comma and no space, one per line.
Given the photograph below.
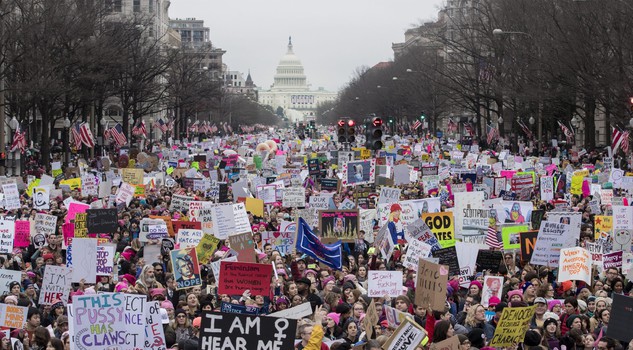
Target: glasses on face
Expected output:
[158,270]
[181,316]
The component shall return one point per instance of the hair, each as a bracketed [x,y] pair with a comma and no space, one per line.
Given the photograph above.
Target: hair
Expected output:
[542,290]
[41,336]
[610,342]
[615,281]
[57,344]
[571,300]
[599,314]
[441,328]
[470,316]
[32,312]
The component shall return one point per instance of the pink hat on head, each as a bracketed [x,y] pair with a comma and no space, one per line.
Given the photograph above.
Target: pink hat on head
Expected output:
[120,286]
[349,277]
[515,292]
[493,301]
[166,304]
[476,283]
[334,316]
[90,290]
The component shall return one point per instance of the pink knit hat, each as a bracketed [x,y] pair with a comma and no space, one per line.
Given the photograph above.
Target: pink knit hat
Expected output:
[515,292]
[334,316]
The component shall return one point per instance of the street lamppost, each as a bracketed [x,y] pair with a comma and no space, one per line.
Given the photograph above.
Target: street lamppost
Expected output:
[102,122]
[188,124]
[66,143]
[14,124]
[151,133]
[131,122]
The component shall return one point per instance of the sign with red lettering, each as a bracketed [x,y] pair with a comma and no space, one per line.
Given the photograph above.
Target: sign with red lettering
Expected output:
[236,277]
[574,264]
[187,225]
[56,284]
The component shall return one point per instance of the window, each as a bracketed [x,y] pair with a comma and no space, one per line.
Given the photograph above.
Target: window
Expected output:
[151,6]
[114,6]
[137,5]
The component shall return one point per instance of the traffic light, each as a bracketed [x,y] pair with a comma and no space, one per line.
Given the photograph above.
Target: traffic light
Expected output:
[422,116]
[346,131]
[351,131]
[341,131]
[374,134]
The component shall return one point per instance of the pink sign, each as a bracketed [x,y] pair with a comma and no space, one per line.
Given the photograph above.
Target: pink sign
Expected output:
[68,230]
[75,208]
[22,234]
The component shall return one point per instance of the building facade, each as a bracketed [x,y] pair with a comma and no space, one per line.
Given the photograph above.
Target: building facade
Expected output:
[291,90]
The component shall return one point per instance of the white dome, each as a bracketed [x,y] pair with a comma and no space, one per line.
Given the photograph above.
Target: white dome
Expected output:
[290,72]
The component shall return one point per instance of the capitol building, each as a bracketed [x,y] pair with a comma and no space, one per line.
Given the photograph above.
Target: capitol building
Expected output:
[291,90]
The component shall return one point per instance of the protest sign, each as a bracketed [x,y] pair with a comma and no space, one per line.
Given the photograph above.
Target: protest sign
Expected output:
[45,224]
[442,226]
[13,316]
[205,249]
[294,197]
[154,334]
[389,195]
[381,283]
[415,250]
[431,285]
[6,277]
[244,309]
[407,336]
[513,324]
[83,260]
[244,245]
[574,264]
[55,285]
[282,241]
[41,197]
[186,269]
[7,236]
[547,188]
[180,202]
[621,318]
[236,277]
[451,343]
[493,286]
[295,313]
[320,202]
[125,194]
[215,266]
[81,229]
[595,249]
[11,196]
[74,208]
[267,193]
[418,230]
[22,234]
[371,319]
[229,330]
[132,175]
[120,324]
[102,220]
[528,241]
[552,237]
[188,238]
[186,225]
[359,172]
[152,229]
[448,257]
[488,260]
[339,224]
[105,260]
[510,235]
[612,260]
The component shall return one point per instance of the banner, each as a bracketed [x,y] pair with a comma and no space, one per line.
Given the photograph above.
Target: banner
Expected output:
[513,324]
[309,243]
[389,195]
[13,316]
[152,229]
[488,260]
[612,260]
[102,220]
[441,224]
[108,321]
[547,188]
[244,309]
[81,227]
[359,172]
[132,175]
[296,312]
[431,285]
[205,249]
[574,264]
[55,285]
[235,331]
[184,263]
[236,277]
[381,283]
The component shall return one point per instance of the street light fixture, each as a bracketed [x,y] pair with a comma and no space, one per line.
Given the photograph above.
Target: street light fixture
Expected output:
[631,122]
[151,133]
[500,120]
[499,32]
[531,120]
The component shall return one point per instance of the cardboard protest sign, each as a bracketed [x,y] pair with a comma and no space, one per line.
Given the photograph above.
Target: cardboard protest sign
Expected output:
[371,319]
[294,197]
[7,233]
[154,334]
[381,283]
[451,343]
[574,264]
[528,241]
[244,245]
[188,238]
[236,277]
[13,316]
[6,277]
[22,233]
[621,318]
[184,263]
[510,235]
[121,322]
[552,237]
[132,175]
[102,220]
[431,285]
[513,324]
[407,336]
[105,259]
[339,224]
[442,226]
[55,285]
[236,331]
[83,253]
[205,249]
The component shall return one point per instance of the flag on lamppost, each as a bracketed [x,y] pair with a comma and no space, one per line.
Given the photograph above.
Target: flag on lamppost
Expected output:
[569,134]
[116,132]
[525,129]
[86,135]
[19,141]
[76,133]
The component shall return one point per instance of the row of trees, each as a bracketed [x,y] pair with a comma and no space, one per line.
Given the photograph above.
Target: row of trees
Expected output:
[76,59]
[551,60]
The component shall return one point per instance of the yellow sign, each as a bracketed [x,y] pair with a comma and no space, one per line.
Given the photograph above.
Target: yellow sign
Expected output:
[170,170]
[139,191]
[81,228]
[576,184]
[443,227]
[255,206]
[603,226]
[74,183]
[205,249]
[365,154]
[32,185]
[57,172]
[132,176]
[195,165]
[513,324]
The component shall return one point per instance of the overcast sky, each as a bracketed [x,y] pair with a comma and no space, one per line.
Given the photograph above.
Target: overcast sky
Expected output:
[331,37]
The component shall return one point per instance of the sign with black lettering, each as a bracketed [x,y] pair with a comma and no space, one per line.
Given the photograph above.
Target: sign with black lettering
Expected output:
[234,331]
[513,324]
[448,256]
[101,220]
[489,260]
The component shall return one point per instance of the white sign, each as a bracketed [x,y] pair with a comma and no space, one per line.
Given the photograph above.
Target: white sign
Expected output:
[41,196]
[389,195]
[622,217]
[83,260]
[574,264]
[294,313]
[7,235]
[381,283]
[547,188]
[417,249]
[320,202]
[56,284]
[126,194]
[11,196]
[552,237]
[294,197]
[188,238]
[46,224]
[6,277]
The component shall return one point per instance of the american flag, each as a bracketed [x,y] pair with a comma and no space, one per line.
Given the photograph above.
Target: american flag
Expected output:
[19,141]
[569,134]
[160,124]
[625,142]
[76,132]
[491,237]
[525,129]
[117,135]
[416,125]
[469,128]
[214,128]
[493,133]
[170,124]
[452,126]
[140,130]
[194,127]
[86,135]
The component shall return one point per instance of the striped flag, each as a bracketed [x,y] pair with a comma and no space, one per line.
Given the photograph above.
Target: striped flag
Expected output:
[117,135]
[469,128]
[86,135]
[492,133]
[76,133]
[569,134]
[160,124]
[194,127]
[19,141]
[625,142]
[140,129]
[452,126]
[309,243]
[491,238]
[525,129]
[417,124]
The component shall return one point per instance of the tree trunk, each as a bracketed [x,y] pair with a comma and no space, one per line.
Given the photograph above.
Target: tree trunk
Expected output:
[45,146]
[590,122]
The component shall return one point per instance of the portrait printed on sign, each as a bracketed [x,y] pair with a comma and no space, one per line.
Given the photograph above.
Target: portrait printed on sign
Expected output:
[492,288]
[518,212]
[359,172]
[339,224]
[186,269]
